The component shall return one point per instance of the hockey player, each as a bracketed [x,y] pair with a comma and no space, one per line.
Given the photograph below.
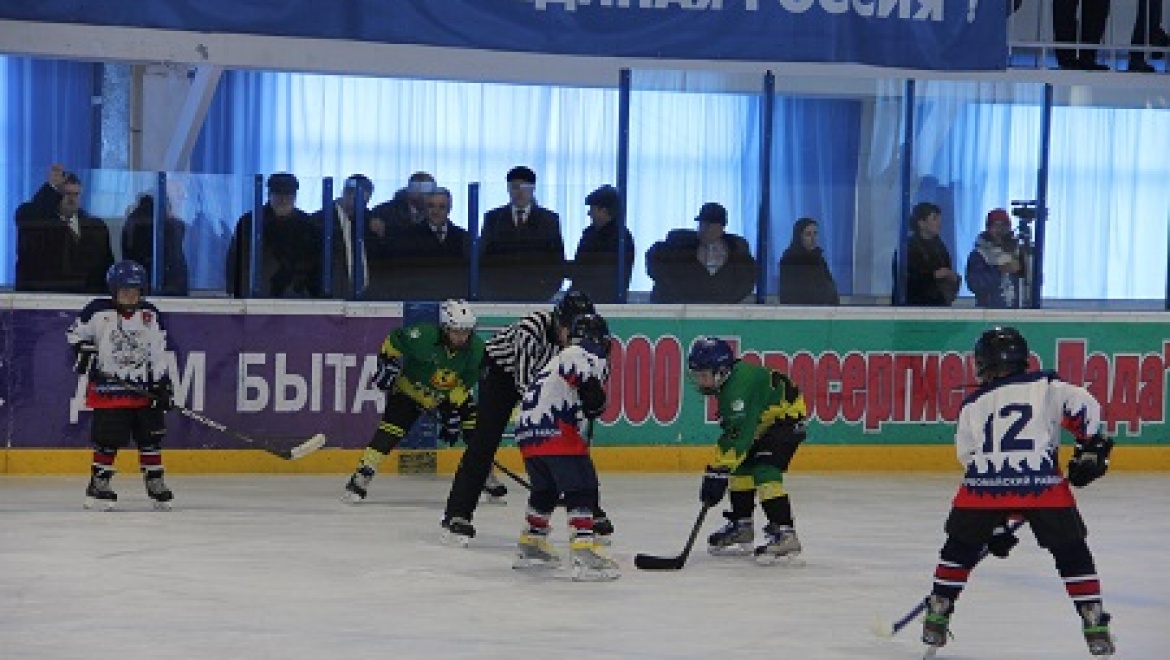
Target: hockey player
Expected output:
[1008,437]
[514,356]
[564,398]
[120,343]
[425,368]
[762,416]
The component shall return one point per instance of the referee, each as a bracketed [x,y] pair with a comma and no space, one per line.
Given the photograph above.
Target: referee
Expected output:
[514,356]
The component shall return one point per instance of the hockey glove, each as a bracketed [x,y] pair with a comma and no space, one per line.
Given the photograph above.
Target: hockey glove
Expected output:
[714,485]
[1090,460]
[592,398]
[84,353]
[450,422]
[162,395]
[1001,542]
[389,368]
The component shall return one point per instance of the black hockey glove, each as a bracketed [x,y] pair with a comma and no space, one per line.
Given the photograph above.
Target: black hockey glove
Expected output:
[162,395]
[714,485]
[1090,460]
[1001,542]
[450,422]
[84,353]
[592,398]
[389,368]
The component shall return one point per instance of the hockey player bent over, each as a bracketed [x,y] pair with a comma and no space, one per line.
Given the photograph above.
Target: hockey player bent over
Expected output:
[762,416]
[1008,437]
[564,398]
[120,343]
[424,368]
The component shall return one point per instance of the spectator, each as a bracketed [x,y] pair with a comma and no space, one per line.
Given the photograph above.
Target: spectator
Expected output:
[290,258]
[344,219]
[596,261]
[805,278]
[60,247]
[994,267]
[1147,31]
[434,258]
[523,254]
[408,206]
[1094,14]
[138,245]
[704,266]
[930,278]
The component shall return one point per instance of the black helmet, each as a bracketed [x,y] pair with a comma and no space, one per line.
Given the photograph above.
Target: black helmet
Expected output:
[590,329]
[574,304]
[1000,351]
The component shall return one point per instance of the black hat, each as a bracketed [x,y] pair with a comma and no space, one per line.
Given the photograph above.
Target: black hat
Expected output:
[608,198]
[522,174]
[712,212]
[283,183]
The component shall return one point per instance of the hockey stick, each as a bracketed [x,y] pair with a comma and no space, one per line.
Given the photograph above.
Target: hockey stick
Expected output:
[287,450]
[889,630]
[515,477]
[653,563]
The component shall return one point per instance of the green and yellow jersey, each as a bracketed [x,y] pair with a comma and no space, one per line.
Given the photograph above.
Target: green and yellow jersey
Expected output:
[432,372]
[751,400]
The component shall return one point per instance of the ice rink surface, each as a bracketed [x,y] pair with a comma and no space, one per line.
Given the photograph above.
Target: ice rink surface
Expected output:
[255,567]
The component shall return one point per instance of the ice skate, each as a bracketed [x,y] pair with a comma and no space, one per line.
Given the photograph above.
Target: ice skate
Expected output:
[457,531]
[936,625]
[494,491]
[732,540]
[603,531]
[780,544]
[157,490]
[358,485]
[535,551]
[590,565]
[98,494]
[1096,628]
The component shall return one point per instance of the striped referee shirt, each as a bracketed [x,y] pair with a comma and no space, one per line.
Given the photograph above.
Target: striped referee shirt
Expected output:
[525,347]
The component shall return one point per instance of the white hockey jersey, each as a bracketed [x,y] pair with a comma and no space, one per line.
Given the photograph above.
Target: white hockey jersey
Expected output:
[1008,437]
[551,418]
[131,347]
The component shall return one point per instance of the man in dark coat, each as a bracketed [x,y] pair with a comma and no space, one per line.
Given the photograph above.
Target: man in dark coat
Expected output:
[138,246]
[930,277]
[522,251]
[290,261]
[704,266]
[433,258]
[60,247]
[595,263]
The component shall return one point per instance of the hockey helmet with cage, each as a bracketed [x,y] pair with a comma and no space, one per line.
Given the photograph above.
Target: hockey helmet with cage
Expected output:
[591,331]
[456,315]
[127,274]
[1000,351]
[573,304]
[714,355]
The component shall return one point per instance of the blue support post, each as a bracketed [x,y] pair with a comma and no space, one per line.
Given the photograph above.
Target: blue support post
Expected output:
[625,84]
[327,236]
[1036,281]
[907,200]
[256,246]
[358,239]
[473,236]
[158,234]
[764,222]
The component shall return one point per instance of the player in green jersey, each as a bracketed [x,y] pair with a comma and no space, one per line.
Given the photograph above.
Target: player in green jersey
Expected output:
[762,416]
[424,368]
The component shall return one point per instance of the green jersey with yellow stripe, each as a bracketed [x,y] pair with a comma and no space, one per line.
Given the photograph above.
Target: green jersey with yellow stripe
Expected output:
[431,371]
[752,399]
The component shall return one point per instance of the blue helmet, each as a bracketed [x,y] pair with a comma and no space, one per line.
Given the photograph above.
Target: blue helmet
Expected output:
[711,354]
[126,274]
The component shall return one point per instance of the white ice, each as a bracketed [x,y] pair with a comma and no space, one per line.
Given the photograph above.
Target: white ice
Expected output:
[252,567]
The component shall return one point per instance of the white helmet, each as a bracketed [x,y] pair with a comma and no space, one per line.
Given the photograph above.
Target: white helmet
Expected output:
[456,315]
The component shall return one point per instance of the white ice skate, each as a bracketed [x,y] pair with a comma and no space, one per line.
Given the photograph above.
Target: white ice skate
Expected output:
[535,551]
[157,490]
[733,539]
[99,495]
[358,485]
[590,565]
[781,546]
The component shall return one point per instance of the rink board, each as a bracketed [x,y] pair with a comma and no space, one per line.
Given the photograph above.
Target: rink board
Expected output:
[883,385]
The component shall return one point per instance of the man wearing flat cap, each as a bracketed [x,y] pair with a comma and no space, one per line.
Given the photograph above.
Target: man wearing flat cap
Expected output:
[594,266]
[522,251]
[290,247]
[708,265]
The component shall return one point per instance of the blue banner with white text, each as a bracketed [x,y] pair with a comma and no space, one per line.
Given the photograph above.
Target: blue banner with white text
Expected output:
[916,34]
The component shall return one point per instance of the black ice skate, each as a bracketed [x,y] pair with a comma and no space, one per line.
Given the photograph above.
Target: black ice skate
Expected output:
[157,490]
[494,490]
[457,531]
[1096,629]
[936,625]
[358,485]
[733,539]
[98,494]
[780,543]
[602,530]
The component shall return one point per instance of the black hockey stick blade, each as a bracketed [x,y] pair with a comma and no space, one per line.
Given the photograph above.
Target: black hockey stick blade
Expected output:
[653,563]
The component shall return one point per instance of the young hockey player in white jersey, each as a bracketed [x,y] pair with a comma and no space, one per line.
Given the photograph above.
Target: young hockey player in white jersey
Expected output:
[119,342]
[564,398]
[1008,437]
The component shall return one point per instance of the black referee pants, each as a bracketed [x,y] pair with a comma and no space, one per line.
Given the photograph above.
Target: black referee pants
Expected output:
[497,398]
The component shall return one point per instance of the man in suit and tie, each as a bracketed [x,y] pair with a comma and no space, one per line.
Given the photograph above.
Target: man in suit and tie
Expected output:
[434,257]
[522,251]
